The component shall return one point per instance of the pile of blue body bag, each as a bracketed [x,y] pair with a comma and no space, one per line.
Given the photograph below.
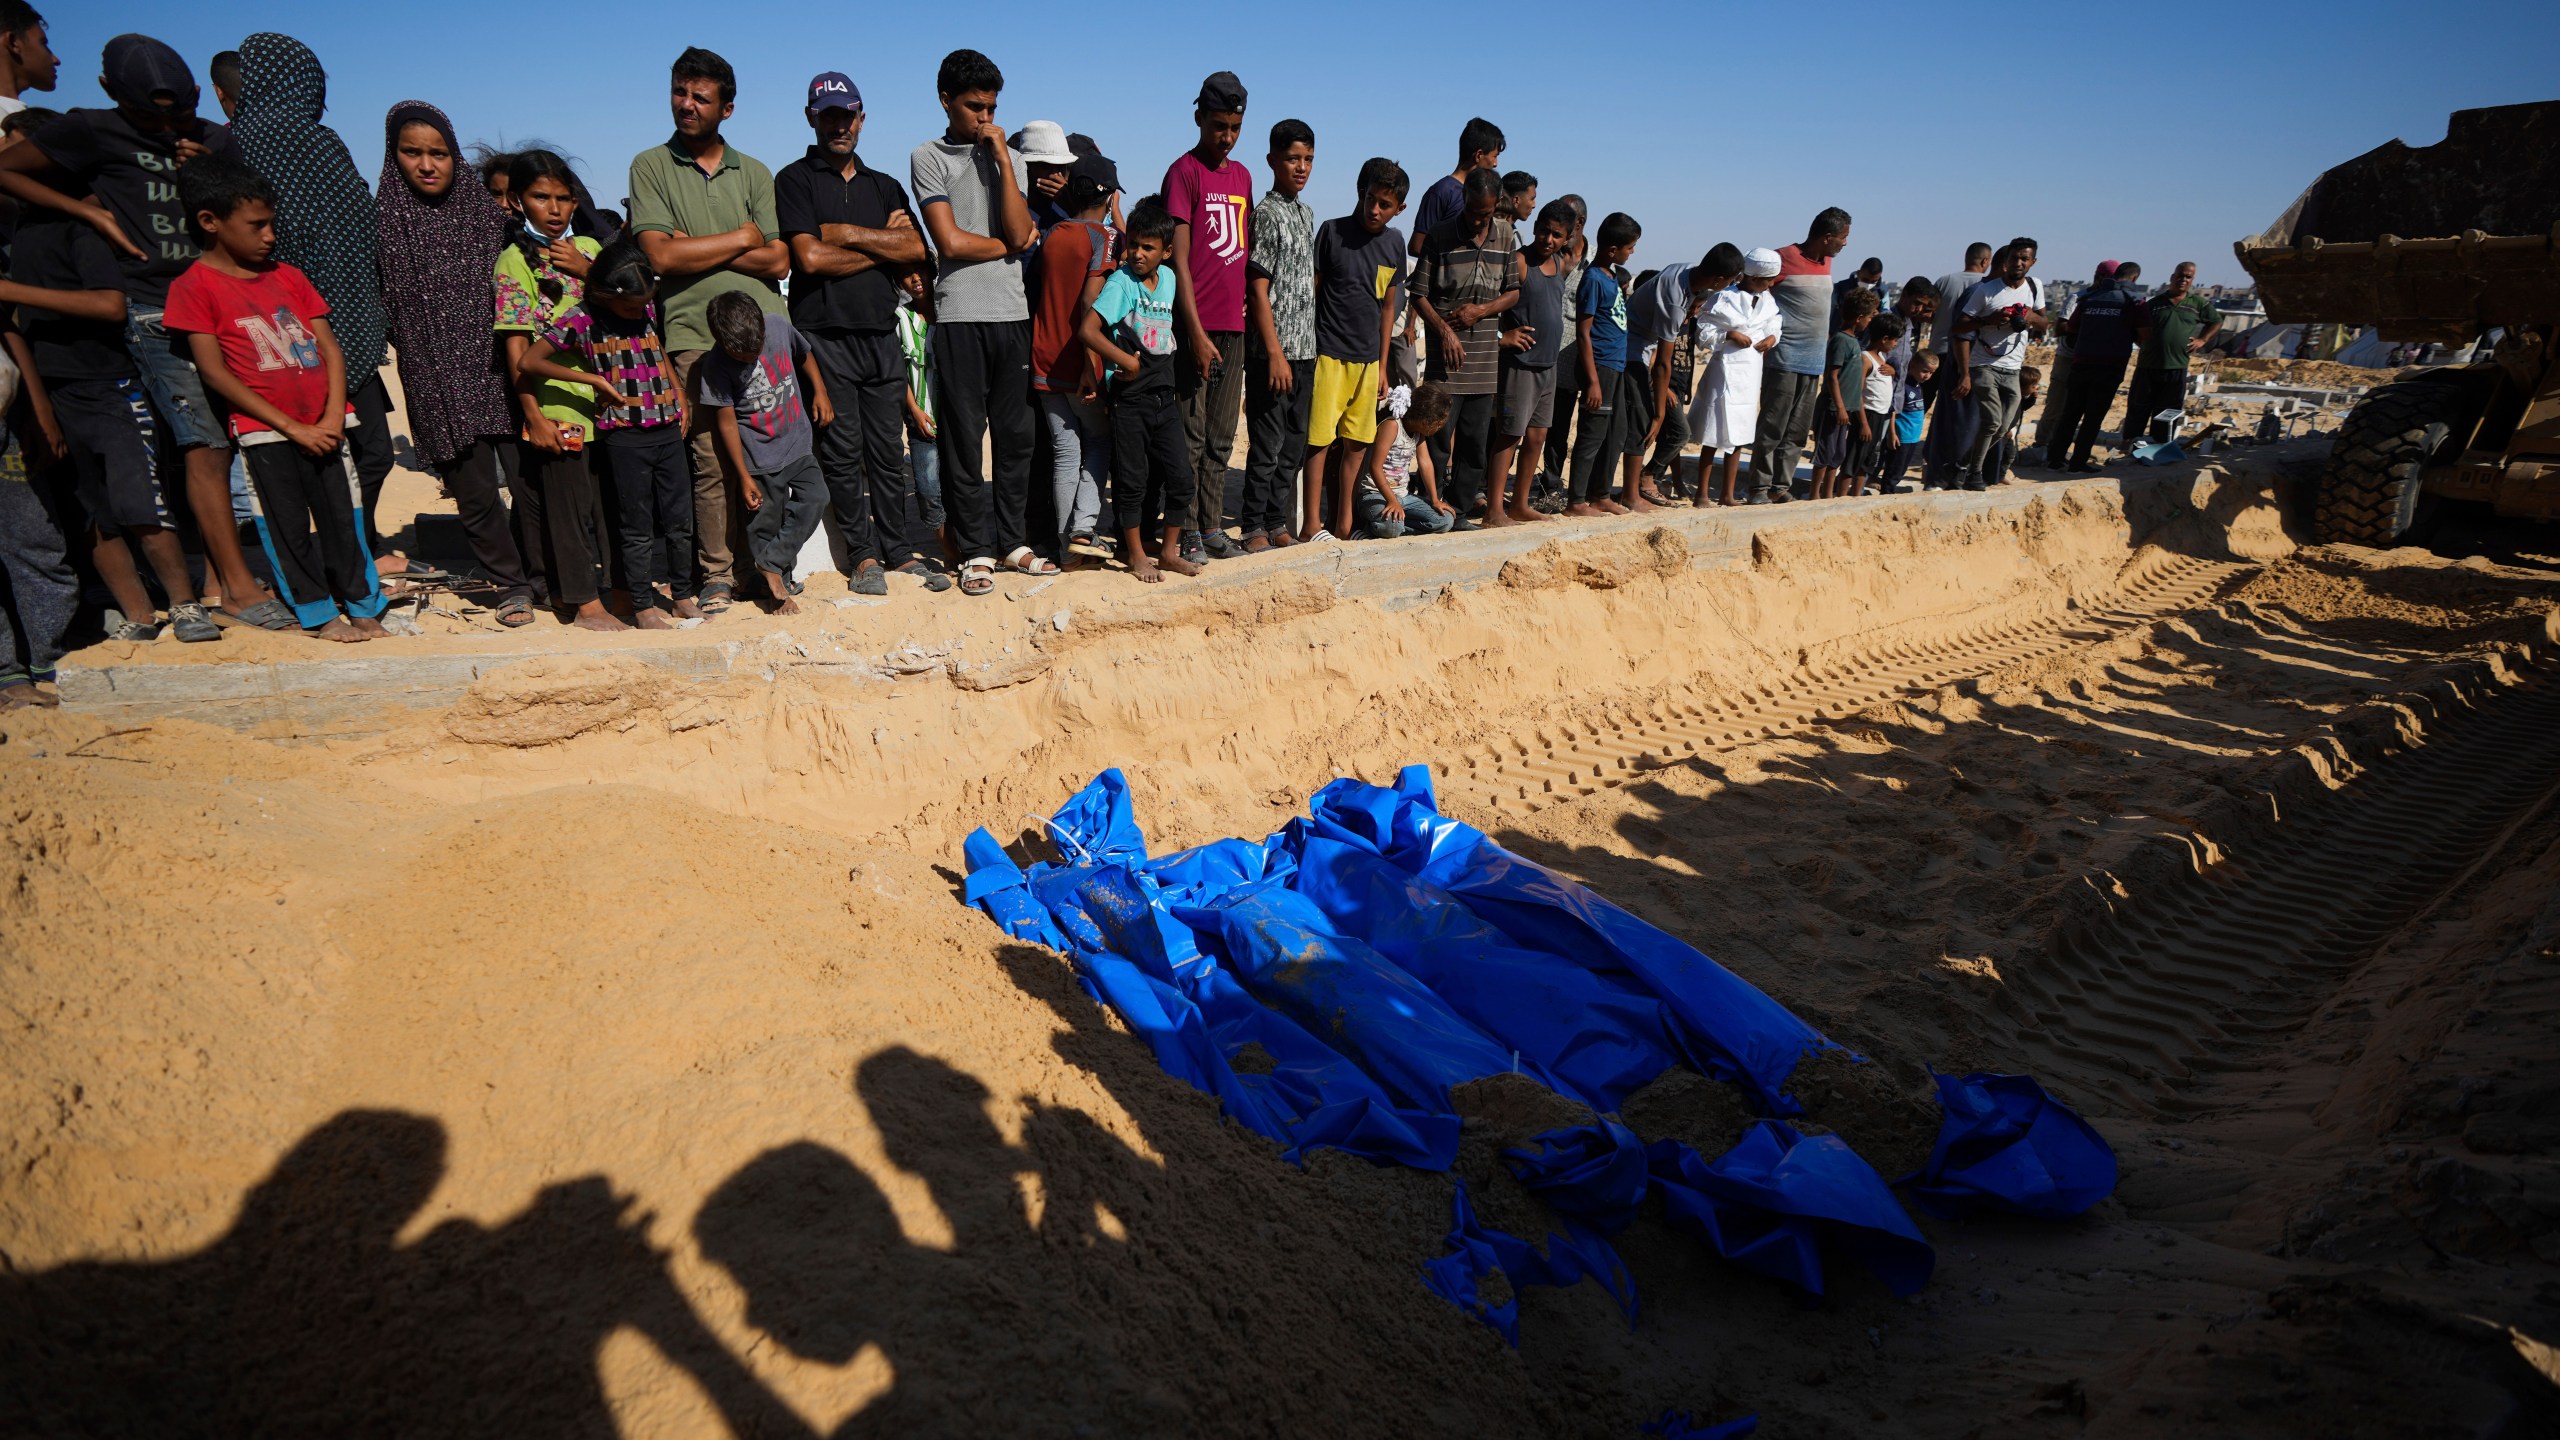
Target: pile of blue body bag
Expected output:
[1374,954]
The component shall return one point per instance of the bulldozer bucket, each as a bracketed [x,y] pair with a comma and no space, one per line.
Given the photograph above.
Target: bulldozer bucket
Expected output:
[2430,243]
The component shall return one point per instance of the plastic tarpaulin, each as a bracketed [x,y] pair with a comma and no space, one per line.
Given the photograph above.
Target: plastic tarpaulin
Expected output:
[1476,1250]
[1601,1043]
[1280,945]
[1595,1173]
[1772,1201]
[1729,1028]
[2006,1146]
[1195,1025]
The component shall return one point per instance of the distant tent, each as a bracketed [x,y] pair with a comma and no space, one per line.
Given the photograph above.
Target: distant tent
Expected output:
[2268,341]
[2369,351]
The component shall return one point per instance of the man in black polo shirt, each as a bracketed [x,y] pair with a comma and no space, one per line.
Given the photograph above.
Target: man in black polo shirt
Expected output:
[850,230]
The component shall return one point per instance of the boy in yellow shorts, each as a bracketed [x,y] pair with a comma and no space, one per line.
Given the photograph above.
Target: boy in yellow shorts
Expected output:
[1359,263]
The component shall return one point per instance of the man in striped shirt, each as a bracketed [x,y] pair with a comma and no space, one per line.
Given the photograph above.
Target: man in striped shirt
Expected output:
[1793,379]
[1465,276]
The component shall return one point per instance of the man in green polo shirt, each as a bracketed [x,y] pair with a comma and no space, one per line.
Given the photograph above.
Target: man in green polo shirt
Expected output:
[703,213]
[2175,325]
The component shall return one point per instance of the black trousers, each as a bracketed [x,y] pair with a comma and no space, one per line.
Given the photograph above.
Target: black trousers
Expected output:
[370,441]
[1150,460]
[1459,451]
[562,488]
[1276,436]
[309,506]
[2084,407]
[864,454]
[982,384]
[1599,439]
[2155,388]
[653,495]
[473,479]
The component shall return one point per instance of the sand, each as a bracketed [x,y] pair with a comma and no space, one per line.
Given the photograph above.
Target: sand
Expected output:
[607,1055]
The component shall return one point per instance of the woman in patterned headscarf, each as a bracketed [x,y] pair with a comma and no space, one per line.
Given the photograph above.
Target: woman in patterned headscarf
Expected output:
[325,226]
[439,254]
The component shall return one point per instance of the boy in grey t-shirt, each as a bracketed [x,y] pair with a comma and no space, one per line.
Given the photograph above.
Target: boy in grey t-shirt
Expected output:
[976,210]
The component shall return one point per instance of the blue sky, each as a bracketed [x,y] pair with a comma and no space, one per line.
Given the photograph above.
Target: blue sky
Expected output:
[2155,132]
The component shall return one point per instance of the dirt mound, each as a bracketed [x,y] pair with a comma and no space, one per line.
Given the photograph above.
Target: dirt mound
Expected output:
[1512,1108]
[2319,374]
[551,698]
[1705,1115]
[1891,1125]
[2408,596]
[1604,562]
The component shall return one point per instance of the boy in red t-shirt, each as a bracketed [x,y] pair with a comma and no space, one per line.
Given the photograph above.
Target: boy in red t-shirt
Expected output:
[259,335]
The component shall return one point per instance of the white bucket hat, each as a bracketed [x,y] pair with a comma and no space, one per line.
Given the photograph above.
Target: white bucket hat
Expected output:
[1043,142]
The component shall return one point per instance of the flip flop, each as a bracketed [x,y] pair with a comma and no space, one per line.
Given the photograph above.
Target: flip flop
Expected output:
[265,615]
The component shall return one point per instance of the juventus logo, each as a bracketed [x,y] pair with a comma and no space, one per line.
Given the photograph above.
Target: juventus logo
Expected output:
[1224,215]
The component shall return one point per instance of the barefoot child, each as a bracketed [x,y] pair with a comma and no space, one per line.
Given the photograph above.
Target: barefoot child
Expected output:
[541,274]
[1741,325]
[1530,349]
[1839,422]
[1601,316]
[259,335]
[1875,389]
[613,336]
[1359,262]
[764,429]
[1400,492]
[1130,325]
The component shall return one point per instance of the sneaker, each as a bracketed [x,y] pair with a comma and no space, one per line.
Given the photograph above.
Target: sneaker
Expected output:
[935,582]
[1194,551]
[191,624]
[870,579]
[136,630]
[1218,546]
[1972,482]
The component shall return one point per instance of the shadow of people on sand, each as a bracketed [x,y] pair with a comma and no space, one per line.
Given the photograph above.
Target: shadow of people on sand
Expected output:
[972,1330]
[309,1317]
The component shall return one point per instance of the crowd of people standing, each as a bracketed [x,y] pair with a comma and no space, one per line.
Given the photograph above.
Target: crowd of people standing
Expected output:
[644,414]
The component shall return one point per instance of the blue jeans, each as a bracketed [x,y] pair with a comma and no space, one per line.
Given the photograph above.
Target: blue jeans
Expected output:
[1372,522]
[1079,456]
[924,462]
[173,382]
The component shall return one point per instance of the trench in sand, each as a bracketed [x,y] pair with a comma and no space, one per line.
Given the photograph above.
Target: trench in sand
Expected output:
[610,1050]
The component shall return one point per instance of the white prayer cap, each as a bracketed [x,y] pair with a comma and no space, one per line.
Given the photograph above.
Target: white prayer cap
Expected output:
[1761,262]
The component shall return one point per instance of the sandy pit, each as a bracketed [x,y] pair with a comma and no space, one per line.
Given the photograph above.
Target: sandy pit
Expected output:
[603,1049]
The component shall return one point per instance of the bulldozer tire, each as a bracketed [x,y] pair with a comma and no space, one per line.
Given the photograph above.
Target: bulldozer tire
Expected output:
[2369,493]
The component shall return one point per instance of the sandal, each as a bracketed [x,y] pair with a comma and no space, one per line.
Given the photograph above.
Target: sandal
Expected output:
[1321,537]
[935,582]
[978,576]
[266,615]
[1024,561]
[517,612]
[714,598]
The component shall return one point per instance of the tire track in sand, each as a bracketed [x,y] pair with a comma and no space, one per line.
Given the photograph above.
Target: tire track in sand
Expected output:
[2211,972]
[1586,756]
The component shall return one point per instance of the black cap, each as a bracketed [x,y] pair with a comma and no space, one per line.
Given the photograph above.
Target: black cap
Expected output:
[1222,91]
[137,66]
[1098,170]
[1083,145]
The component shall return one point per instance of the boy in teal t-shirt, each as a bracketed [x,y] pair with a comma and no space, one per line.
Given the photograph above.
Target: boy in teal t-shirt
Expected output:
[1130,326]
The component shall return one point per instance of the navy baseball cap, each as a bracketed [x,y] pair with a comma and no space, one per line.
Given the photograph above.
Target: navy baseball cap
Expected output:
[834,91]
[138,67]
